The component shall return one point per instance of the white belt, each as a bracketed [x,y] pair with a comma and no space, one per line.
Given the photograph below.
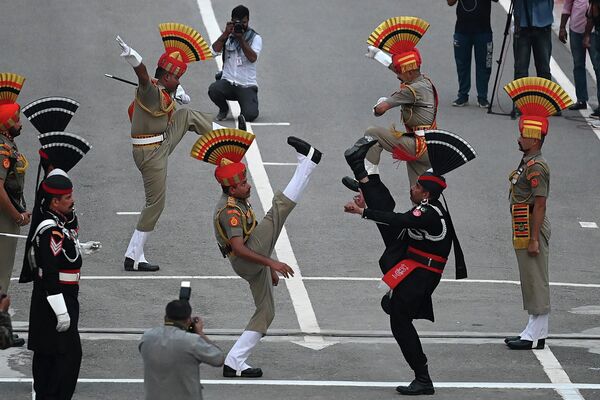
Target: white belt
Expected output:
[148,140]
[68,277]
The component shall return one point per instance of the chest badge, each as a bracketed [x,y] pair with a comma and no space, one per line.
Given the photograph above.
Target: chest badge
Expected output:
[417,212]
[6,163]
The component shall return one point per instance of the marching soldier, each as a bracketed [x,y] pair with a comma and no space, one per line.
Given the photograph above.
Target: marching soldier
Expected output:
[247,243]
[54,314]
[13,164]
[417,243]
[157,128]
[537,99]
[417,98]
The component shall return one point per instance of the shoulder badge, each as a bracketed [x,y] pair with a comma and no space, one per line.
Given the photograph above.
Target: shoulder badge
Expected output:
[233,211]
[534,183]
[531,162]
[6,163]
[231,202]
[56,243]
[417,212]
[233,221]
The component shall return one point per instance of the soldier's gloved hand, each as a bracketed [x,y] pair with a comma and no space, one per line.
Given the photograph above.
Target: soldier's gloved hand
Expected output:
[90,247]
[181,96]
[381,100]
[129,54]
[64,322]
[57,302]
[379,55]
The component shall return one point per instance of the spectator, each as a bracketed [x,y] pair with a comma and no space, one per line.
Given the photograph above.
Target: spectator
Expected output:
[574,11]
[240,46]
[591,40]
[173,353]
[473,33]
[7,338]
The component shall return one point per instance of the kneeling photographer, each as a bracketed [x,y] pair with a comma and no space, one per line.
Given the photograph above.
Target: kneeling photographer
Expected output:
[172,354]
[240,46]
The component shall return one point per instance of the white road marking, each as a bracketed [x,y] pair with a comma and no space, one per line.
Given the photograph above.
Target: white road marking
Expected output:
[557,374]
[269,123]
[283,248]
[375,384]
[591,225]
[279,163]
[313,278]
[129,212]
[13,235]
[562,80]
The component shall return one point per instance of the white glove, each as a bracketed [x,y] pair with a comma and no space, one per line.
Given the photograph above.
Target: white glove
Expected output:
[90,247]
[129,54]
[181,96]
[379,55]
[57,302]
[381,100]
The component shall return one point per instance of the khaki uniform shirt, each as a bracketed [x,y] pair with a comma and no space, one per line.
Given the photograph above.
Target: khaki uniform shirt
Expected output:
[153,114]
[531,179]
[417,102]
[12,171]
[233,217]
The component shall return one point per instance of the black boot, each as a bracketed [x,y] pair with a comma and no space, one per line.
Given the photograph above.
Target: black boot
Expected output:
[422,384]
[521,344]
[128,264]
[355,156]
[304,147]
[350,183]
[241,123]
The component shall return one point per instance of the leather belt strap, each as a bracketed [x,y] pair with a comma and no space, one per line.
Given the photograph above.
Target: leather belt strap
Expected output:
[427,259]
[68,276]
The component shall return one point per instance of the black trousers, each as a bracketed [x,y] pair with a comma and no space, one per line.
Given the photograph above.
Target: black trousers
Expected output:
[408,339]
[378,197]
[55,375]
[222,90]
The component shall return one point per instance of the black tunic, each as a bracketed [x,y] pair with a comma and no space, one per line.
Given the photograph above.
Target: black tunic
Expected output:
[55,251]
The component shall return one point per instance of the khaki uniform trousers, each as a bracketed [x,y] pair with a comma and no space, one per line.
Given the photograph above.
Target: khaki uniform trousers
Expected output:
[262,241]
[533,271]
[8,248]
[152,160]
[388,139]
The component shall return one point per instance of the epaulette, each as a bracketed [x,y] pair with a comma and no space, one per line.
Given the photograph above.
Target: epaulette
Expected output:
[531,162]
[231,201]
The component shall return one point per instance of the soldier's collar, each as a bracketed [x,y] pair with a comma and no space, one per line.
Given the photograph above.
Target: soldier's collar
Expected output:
[531,156]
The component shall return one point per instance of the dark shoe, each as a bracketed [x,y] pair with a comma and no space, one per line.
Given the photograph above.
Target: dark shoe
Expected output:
[229,372]
[350,183]
[511,339]
[355,156]
[221,115]
[557,114]
[241,123]
[416,388]
[596,113]
[483,103]
[303,148]
[580,105]
[17,341]
[460,102]
[143,266]
[526,344]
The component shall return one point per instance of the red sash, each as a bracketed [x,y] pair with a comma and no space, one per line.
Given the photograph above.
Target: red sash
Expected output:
[400,271]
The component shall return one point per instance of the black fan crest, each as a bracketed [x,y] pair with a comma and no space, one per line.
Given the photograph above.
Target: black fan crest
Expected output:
[447,151]
[51,114]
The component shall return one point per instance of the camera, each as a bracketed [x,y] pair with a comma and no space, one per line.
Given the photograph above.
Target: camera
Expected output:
[238,27]
[185,291]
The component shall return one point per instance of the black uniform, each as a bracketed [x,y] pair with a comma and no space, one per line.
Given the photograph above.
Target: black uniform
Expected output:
[423,230]
[57,355]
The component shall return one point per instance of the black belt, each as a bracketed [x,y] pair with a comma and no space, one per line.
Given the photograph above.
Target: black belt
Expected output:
[426,260]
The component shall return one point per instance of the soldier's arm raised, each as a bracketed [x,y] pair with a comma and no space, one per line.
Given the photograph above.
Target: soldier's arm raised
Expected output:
[135,60]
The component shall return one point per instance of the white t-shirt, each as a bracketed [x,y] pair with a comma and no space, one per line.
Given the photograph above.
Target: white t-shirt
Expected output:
[236,67]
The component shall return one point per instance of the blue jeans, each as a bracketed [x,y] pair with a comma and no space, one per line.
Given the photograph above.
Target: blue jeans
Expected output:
[482,44]
[579,73]
[595,56]
[540,41]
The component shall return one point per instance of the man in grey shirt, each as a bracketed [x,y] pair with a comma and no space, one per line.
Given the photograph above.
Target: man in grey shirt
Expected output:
[172,355]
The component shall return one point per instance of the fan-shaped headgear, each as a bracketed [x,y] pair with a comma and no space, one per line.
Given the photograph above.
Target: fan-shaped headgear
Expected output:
[224,148]
[183,45]
[447,151]
[10,87]
[399,36]
[62,149]
[51,114]
[537,99]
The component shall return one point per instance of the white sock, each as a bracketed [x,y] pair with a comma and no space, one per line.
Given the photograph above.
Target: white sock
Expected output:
[537,328]
[135,250]
[372,169]
[239,353]
[299,181]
